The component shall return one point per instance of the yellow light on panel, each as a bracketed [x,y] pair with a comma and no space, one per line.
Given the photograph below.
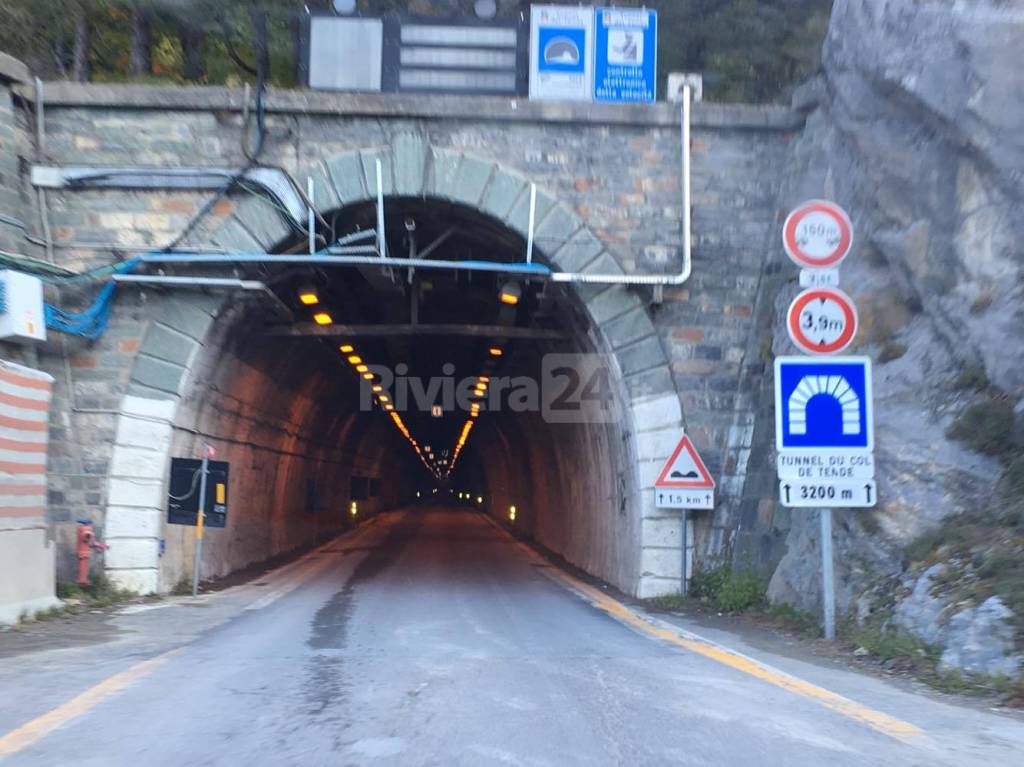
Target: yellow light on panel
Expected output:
[309,297]
[368,376]
[353,508]
[322,318]
[355,360]
[346,348]
[511,513]
[494,351]
[362,368]
[377,388]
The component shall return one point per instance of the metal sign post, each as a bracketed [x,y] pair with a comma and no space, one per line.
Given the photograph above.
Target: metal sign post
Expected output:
[823,410]
[684,483]
[203,471]
[828,591]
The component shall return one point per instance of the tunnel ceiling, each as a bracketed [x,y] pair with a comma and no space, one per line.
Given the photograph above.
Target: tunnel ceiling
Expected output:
[399,298]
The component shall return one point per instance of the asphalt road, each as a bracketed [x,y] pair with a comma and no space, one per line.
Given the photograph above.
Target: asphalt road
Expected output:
[433,638]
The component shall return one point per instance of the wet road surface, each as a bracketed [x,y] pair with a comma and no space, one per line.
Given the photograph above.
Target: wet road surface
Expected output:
[431,637]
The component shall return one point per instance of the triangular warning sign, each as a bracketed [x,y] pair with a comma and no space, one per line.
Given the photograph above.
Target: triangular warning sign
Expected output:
[685,469]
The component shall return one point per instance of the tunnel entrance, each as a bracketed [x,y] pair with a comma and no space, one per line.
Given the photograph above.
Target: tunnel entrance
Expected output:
[485,384]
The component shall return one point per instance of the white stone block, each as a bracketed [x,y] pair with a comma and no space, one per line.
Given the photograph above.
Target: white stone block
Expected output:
[661,562]
[659,412]
[132,553]
[143,493]
[664,531]
[127,522]
[137,462]
[144,433]
[657,445]
[162,409]
[651,586]
[141,581]
[648,472]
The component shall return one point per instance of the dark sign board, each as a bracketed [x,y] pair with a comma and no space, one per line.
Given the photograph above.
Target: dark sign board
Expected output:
[401,54]
[183,493]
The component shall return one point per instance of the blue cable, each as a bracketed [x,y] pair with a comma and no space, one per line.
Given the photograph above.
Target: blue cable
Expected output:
[91,322]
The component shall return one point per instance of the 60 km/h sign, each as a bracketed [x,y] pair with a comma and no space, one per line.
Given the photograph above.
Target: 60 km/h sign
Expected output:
[817,235]
[822,320]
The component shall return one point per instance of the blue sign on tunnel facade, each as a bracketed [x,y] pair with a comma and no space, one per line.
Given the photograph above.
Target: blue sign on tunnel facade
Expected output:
[823,403]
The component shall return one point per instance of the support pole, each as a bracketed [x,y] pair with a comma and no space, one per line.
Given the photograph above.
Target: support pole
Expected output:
[382,247]
[200,514]
[685,540]
[533,218]
[312,216]
[828,594]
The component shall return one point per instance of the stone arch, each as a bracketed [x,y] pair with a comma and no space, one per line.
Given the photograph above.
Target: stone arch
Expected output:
[181,324]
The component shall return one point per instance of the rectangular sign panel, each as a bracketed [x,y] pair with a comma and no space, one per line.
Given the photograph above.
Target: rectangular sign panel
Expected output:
[183,492]
[561,52]
[823,403]
[847,494]
[684,499]
[625,55]
[825,464]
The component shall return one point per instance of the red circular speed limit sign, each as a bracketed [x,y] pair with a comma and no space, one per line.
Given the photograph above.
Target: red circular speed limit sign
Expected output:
[822,320]
[817,235]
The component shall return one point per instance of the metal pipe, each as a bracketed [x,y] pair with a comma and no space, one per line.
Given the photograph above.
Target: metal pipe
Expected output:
[311,222]
[185,281]
[654,279]
[382,247]
[533,215]
[532,270]
[40,119]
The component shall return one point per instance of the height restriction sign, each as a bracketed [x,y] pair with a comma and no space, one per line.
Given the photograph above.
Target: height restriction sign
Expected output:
[822,320]
[817,235]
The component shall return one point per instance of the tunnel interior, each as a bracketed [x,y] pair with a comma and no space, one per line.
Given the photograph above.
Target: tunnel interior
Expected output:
[427,386]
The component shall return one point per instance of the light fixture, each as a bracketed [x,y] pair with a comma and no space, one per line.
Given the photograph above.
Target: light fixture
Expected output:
[511,513]
[479,499]
[485,9]
[308,295]
[355,360]
[383,398]
[377,388]
[510,293]
[322,318]
[368,376]
[494,351]
[346,348]
[361,368]
[353,508]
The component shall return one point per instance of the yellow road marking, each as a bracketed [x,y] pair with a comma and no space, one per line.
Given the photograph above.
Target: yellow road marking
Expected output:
[37,729]
[888,725]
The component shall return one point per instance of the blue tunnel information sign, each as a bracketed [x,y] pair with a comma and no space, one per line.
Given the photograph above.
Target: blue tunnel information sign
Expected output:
[823,403]
[626,55]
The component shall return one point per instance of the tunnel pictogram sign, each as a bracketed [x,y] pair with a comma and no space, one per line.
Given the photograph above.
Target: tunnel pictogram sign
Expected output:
[823,404]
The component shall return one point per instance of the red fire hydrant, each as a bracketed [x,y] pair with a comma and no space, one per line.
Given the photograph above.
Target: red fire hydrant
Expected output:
[86,543]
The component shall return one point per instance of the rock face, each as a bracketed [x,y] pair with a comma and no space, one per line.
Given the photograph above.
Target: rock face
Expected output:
[978,640]
[915,127]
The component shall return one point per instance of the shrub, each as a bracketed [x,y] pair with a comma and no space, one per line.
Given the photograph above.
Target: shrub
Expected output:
[740,592]
[891,351]
[972,378]
[984,427]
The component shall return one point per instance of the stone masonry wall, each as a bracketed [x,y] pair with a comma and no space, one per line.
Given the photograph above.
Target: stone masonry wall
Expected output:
[616,168]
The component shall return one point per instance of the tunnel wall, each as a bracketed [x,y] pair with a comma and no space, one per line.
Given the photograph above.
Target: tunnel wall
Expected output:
[609,200]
